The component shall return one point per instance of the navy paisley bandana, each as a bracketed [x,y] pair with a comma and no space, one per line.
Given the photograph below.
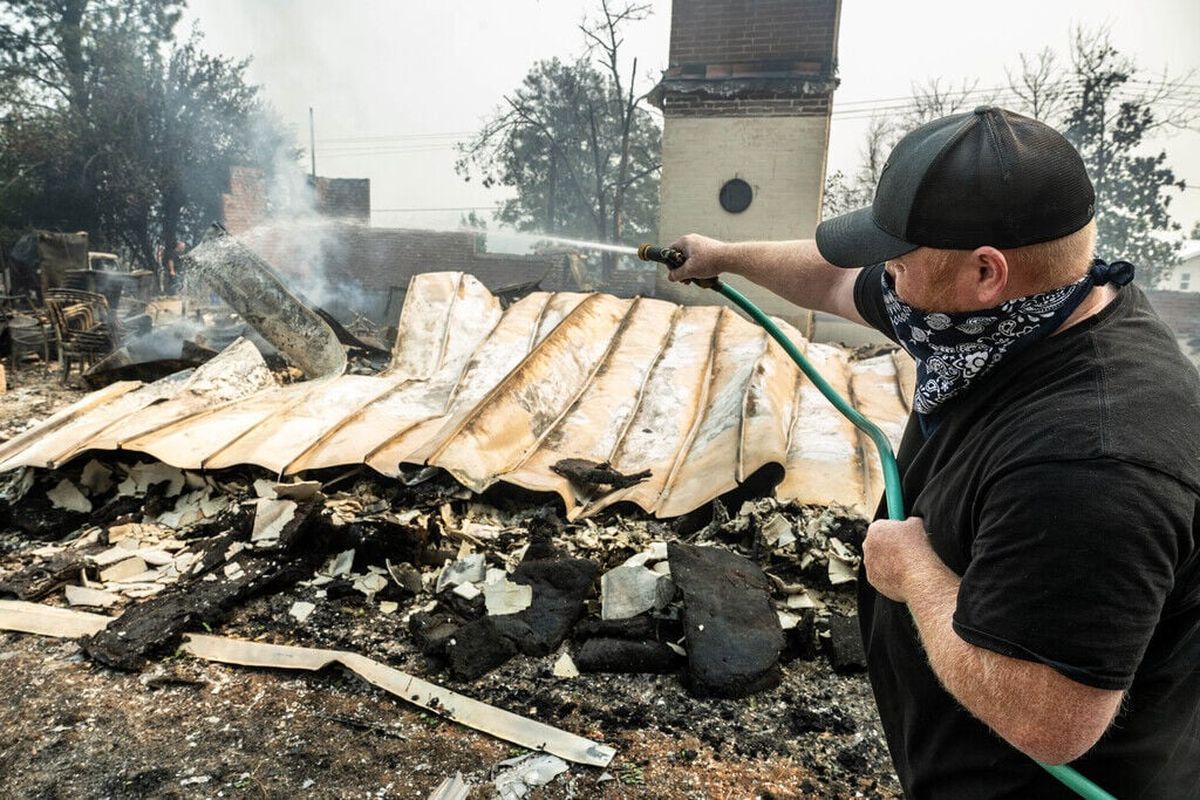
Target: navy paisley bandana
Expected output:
[953,350]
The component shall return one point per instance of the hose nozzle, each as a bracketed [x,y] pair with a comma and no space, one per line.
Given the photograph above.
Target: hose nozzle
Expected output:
[663,255]
[674,260]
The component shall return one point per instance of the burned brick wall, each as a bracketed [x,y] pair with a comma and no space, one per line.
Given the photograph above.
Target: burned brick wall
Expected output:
[248,202]
[339,262]
[353,269]
[347,199]
[764,105]
[244,207]
[750,58]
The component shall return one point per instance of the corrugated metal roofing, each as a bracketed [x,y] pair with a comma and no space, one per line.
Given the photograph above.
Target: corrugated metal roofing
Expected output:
[697,395]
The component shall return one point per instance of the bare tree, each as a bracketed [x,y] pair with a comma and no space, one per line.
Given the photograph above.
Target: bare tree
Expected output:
[882,135]
[1094,56]
[931,100]
[576,142]
[1104,105]
[1109,115]
[848,192]
[604,37]
[1040,86]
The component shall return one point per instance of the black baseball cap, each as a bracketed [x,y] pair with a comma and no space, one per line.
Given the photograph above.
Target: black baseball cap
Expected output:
[987,177]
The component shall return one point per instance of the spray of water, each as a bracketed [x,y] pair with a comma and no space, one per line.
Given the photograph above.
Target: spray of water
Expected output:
[580,243]
[603,246]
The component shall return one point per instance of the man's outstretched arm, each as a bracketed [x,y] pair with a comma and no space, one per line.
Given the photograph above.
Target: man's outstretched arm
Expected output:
[793,270]
[1042,713]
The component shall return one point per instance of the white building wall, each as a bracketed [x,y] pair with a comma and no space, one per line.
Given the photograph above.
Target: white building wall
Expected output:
[783,160]
[1184,276]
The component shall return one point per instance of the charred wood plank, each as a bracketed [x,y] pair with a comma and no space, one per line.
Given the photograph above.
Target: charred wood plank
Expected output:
[209,594]
[39,580]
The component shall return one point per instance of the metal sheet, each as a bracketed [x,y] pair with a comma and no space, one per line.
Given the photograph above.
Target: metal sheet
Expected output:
[875,389]
[443,702]
[824,457]
[261,297]
[108,418]
[595,425]
[697,395]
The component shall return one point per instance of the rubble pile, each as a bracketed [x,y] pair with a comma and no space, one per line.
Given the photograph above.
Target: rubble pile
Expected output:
[721,602]
[475,583]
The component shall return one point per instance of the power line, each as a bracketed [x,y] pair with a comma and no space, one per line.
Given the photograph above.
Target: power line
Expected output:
[869,113]
[414,210]
[393,136]
[850,115]
[387,151]
[1189,89]
[389,146]
[1185,95]
[1182,100]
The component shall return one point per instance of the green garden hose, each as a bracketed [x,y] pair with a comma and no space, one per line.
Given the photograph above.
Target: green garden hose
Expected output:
[891,470]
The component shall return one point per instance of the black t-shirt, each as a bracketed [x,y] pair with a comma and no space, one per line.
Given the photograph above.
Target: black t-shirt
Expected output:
[1064,489]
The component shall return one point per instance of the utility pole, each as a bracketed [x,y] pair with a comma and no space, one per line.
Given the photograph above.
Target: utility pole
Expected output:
[312,142]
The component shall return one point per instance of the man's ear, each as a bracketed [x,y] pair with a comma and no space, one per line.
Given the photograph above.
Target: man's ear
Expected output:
[991,275]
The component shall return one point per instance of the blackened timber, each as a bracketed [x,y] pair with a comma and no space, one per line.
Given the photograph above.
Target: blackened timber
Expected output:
[734,638]
[39,580]
[603,654]
[156,626]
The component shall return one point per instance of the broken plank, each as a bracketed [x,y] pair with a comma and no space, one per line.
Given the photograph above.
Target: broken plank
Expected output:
[17,615]
[155,626]
[431,697]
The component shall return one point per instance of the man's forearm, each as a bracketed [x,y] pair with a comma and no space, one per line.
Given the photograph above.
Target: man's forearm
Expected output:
[1034,708]
[795,271]
[934,595]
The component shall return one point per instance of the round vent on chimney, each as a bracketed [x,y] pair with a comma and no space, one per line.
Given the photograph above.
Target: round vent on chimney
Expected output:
[736,195]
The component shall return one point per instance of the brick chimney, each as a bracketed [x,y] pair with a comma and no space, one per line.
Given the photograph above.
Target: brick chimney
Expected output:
[746,100]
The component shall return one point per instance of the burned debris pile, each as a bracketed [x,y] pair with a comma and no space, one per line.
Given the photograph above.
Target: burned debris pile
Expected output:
[477,581]
[453,586]
[599,400]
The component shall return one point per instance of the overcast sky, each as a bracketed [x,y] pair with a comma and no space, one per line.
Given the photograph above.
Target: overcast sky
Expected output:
[394,83]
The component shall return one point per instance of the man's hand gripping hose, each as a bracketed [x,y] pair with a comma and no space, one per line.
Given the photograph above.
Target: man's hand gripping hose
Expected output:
[674,259]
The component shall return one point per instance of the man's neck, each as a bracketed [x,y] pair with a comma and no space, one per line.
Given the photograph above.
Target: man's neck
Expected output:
[1094,303]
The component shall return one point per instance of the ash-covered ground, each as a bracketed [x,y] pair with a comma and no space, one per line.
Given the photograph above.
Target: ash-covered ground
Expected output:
[176,726]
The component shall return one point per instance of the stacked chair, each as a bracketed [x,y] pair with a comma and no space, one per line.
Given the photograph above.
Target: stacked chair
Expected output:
[84,327]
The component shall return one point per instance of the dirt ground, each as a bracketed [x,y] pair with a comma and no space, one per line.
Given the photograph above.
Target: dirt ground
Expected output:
[187,728]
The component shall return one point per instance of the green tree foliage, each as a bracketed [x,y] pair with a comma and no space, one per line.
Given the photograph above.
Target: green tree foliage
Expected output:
[117,126]
[576,143]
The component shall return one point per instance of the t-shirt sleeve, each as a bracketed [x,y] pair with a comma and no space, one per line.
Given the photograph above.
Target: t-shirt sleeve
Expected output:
[1072,564]
[868,299]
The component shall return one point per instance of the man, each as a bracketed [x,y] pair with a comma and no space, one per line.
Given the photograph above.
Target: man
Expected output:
[174,267]
[1043,600]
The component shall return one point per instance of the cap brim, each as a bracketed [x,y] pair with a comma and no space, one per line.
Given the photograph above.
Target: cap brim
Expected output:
[854,240]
